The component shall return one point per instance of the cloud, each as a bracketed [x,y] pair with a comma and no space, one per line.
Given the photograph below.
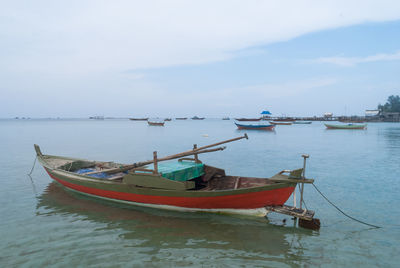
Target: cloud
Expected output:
[352,61]
[83,37]
[256,95]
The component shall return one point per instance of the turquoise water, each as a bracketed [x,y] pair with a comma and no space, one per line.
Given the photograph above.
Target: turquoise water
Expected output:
[44,225]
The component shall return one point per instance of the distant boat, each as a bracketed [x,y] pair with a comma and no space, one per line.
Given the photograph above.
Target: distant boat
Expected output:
[139,119]
[302,122]
[280,123]
[248,119]
[181,118]
[197,118]
[256,127]
[347,126]
[167,119]
[226,118]
[285,119]
[160,124]
[97,117]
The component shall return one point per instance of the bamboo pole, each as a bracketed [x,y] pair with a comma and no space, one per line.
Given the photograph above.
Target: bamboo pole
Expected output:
[194,151]
[140,164]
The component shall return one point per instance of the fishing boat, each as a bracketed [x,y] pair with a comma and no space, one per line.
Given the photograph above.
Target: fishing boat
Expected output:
[302,122]
[159,124]
[197,118]
[256,127]
[139,119]
[185,184]
[97,117]
[247,119]
[280,123]
[285,119]
[346,126]
[181,118]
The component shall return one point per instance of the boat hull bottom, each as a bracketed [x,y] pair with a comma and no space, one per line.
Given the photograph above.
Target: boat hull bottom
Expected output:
[256,212]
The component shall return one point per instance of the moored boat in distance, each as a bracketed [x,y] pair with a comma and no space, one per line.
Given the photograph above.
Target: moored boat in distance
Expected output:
[168,119]
[97,117]
[181,118]
[285,119]
[139,119]
[184,185]
[346,126]
[247,119]
[226,118]
[160,124]
[255,127]
[197,118]
[302,122]
[280,122]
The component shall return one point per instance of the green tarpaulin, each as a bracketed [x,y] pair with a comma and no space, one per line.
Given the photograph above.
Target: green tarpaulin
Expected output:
[180,171]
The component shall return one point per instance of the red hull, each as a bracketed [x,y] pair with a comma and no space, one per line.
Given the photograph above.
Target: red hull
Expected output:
[250,200]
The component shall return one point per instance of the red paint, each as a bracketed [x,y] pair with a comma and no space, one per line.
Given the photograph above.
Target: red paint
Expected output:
[237,201]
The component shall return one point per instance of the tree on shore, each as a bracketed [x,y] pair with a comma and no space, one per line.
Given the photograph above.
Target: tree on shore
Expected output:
[392,104]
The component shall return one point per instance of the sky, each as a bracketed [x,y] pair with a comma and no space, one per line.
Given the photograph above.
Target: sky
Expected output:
[207,58]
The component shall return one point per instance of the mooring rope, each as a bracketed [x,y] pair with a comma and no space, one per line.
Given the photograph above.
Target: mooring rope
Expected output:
[375,226]
[34,163]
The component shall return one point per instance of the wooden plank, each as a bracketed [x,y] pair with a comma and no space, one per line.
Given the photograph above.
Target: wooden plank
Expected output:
[292,211]
[156,181]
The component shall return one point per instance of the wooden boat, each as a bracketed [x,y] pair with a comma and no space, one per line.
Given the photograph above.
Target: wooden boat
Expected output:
[197,118]
[256,127]
[302,122]
[346,126]
[160,124]
[139,119]
[285,119]
[181,118]
[280,123]
[97,117]
[247,119]
[185,185]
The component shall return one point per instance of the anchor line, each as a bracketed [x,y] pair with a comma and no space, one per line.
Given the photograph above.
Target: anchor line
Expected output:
[375,226]
[34,163]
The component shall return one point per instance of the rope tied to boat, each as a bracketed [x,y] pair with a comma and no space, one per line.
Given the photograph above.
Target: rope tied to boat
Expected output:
[34,163]
[341,211]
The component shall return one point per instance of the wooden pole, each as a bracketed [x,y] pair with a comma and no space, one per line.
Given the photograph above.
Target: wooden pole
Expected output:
[222,142]
[305,156]
[195,151]
[140,164]
[155,162]
[196,157]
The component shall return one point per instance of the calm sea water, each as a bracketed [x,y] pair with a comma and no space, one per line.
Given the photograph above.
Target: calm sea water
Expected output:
[44,225]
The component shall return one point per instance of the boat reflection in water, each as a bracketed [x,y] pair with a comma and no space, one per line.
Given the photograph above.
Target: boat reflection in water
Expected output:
[158,228]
